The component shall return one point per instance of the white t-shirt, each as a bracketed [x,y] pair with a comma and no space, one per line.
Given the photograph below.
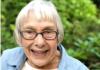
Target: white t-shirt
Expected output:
[29,67]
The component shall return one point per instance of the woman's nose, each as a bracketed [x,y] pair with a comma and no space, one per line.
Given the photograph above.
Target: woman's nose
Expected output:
[39,41]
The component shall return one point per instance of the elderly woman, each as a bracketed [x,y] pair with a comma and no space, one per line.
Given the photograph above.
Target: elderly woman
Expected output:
[39,33]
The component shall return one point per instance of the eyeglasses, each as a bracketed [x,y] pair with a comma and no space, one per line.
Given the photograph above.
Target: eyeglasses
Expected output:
[30,35]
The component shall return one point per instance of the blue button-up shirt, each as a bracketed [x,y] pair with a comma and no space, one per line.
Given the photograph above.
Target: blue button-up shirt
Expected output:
[14,59]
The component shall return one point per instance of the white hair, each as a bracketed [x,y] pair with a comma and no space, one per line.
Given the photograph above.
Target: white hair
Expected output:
[42,10]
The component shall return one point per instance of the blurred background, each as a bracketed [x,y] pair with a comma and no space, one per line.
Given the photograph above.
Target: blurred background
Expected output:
[81,20]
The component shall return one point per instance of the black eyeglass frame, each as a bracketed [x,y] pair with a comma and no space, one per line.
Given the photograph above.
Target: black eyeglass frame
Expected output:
[41,33]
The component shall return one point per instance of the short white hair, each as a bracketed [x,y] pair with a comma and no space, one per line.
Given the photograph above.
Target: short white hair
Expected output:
[42,10]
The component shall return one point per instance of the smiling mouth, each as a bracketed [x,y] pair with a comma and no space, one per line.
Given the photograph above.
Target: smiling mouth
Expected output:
[39,52]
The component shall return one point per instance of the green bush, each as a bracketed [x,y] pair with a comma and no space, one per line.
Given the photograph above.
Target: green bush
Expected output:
[81,20]
[82,30]
[9,12]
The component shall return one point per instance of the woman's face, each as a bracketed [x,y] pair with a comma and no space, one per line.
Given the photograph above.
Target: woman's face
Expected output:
[39,51]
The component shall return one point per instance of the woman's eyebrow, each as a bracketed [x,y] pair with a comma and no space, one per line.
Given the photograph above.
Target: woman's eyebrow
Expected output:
[30,28]
[49,28]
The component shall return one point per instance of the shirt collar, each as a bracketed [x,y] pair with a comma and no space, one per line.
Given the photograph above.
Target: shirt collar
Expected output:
[64,57]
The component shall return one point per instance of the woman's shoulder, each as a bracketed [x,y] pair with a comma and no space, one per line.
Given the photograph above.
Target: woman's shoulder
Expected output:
[75,64]
[70,63]
[11,57]
[11,52]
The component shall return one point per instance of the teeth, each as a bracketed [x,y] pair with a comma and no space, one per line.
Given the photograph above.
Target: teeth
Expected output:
[39,52]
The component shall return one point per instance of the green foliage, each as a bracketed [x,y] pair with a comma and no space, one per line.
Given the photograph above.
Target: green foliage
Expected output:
[9,12]
[81,20]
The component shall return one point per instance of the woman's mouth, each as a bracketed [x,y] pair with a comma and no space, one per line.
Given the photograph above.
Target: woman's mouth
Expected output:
[39,53]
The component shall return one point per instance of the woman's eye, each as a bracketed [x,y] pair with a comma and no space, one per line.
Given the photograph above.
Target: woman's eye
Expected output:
[29,32]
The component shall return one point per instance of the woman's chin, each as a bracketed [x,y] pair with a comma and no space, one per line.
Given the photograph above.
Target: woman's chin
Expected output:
[40,63]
